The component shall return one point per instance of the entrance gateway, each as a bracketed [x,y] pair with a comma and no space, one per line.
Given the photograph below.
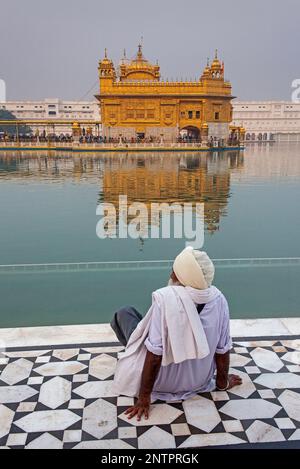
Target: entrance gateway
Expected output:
[140,133]
[190,133]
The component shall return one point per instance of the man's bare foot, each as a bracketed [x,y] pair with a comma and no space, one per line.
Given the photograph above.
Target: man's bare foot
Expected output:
[234,380]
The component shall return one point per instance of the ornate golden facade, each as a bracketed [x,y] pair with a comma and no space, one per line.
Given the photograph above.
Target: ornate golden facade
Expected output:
[136,103]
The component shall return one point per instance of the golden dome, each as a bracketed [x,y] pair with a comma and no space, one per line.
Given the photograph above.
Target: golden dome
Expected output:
[139,68]
[206,71]
[106,60]
[216,64]
[139,60]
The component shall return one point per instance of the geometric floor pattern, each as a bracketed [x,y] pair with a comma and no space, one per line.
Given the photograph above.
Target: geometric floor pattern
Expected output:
[61,398]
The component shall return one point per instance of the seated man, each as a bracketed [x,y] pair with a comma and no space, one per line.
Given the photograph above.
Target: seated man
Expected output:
[173,352]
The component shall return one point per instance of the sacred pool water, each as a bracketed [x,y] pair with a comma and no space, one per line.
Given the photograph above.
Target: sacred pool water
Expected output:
[55,270]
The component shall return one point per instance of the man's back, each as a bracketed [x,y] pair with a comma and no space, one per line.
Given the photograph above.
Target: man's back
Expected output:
[179,381]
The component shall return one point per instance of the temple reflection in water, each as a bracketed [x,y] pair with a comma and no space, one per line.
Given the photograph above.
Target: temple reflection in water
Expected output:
[173,178]
[152,177]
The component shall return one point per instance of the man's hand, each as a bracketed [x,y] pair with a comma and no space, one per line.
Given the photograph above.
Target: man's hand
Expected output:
[140,408]
[149,374]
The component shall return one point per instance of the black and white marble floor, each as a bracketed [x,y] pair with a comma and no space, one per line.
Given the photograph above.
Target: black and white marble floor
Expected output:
[59,396]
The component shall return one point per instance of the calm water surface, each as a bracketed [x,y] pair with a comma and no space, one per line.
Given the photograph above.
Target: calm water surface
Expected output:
[48,215]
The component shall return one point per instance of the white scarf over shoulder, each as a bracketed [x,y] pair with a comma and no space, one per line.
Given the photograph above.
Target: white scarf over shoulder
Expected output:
[183,335]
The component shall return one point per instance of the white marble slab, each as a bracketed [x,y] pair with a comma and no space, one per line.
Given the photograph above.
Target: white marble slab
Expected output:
[60,368]
[232,426]
[261,432]
[16,371]
[112,349]
[264,327]
[159,414]
[55,392]
[201,413]
[125,401]
[65,354]
[26,406]
[6,418]
[84,357]
[102,366]
[255,343]
[294,344]
[26,353]
[47,420]
[293,368]
[266,394]
[292,357]
[35,380]
[16,439]
[127,432]
[104,444]
[76,404]
[212,439]
[56,335]
[99,418]
[242,410]
[10,394]
[285,423]
[252,370]
[45,441]
[238,360]
[240,350]
[156,438]
[43,359]
[180,429]
[292,324]
[279,380]
[94,389]
[220,396]
[80,378]
[70,436]
[96,333]
[295,435]
[290,400]
[266,359]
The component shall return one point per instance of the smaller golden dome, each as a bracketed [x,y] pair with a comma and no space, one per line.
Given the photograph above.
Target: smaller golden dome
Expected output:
[106,60]
[216,64]
[204,125]
[206,71]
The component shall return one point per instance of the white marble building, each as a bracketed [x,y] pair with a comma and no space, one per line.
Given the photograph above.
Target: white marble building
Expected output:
[263,120]
[53,110]
[2,90]
[268,120]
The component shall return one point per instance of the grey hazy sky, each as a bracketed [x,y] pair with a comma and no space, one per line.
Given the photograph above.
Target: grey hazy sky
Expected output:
[51,49]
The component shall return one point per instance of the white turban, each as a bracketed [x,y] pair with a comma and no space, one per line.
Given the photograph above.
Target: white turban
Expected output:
[194,268]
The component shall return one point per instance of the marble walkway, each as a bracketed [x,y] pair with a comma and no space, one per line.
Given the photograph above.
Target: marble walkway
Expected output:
[55,392]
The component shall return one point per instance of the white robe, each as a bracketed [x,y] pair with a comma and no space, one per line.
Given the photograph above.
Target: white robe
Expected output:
[182,334]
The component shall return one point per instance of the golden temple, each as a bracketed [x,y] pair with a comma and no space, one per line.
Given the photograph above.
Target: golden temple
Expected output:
[136,103]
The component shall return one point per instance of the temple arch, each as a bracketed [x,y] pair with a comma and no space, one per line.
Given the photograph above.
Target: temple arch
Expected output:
[190,133]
